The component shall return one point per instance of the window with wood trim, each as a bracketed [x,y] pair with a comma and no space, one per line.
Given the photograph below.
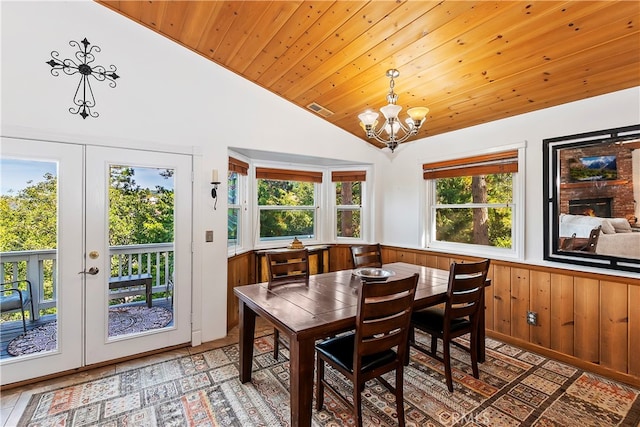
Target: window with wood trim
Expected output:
[236,185]
[287,203]
[348,187]
[472,200]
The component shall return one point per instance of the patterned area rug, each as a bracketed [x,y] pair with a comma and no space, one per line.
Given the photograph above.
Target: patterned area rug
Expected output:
[122,321]
[516,388]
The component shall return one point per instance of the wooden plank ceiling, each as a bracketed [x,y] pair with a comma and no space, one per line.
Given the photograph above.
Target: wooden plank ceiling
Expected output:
[470,62]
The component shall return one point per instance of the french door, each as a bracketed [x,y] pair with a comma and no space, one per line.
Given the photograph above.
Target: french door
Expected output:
[120,275]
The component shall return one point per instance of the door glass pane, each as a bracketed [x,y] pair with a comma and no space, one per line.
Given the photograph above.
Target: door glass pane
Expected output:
[28,255]
[141,235]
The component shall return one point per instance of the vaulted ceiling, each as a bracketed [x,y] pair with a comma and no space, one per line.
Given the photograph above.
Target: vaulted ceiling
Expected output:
[470,62]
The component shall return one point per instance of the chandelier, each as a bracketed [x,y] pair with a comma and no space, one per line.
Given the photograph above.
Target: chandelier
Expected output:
[397,133]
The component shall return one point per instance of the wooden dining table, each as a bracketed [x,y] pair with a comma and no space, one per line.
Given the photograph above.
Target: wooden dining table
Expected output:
[323,308]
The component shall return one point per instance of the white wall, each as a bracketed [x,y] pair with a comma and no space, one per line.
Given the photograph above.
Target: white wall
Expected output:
[404,186]
[168,98]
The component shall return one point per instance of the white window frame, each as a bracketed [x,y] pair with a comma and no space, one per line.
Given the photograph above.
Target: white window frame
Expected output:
[517,231]
[365,214]
[243,242]
[318,203]
[238,246]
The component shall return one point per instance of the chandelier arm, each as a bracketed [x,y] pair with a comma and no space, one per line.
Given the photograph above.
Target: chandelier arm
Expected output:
[376,135]
[402,127]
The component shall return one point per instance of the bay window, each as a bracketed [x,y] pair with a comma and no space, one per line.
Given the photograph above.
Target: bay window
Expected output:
[236,185]
[348,203]
[287,203]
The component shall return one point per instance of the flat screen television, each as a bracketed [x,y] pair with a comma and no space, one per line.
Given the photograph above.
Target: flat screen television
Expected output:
[594,168]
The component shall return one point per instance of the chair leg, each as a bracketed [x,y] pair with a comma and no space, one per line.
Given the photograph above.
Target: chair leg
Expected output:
[357,402]
[276,343]
[24,322]
[412,340]
[434,344]
[400,395]
[32,314]
[474,354]
[319,384]
[446,356]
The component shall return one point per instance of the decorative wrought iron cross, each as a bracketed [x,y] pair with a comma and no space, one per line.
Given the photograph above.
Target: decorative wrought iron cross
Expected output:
[83,99]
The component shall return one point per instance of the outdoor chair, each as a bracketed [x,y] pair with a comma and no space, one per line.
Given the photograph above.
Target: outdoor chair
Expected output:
[377,346]
[459,316]
[13,299]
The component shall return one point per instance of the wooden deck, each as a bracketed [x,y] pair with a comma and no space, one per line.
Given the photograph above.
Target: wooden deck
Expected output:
[11,330]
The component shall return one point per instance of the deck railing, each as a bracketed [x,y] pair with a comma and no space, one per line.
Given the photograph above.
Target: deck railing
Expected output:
[40,267]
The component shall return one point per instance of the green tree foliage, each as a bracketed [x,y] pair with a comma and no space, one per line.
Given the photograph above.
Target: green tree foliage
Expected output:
[28,220]
[348,221]
[139,215]
[287,221]
[457,224]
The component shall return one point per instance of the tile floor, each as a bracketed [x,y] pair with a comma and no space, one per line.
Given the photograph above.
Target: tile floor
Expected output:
[14,401]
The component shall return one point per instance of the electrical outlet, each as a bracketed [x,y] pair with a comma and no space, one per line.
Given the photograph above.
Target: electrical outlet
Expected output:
[532,318]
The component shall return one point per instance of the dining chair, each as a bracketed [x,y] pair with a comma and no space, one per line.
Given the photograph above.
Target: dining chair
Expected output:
[459,316]
[291,266]
[15,298]
[382,325]
[593,240]
[366,255]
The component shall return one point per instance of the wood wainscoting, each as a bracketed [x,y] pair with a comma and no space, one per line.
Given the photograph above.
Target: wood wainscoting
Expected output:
[588,320]
[241,270]
[585,319]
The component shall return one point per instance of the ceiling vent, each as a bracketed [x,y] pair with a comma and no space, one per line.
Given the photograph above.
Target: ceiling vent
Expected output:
[319,109]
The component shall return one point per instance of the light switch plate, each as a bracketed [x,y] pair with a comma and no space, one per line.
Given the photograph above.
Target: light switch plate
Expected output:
[208,236]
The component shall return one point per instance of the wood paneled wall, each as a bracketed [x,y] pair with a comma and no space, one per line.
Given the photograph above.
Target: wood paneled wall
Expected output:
[589,320]
[241,270]
[585,319]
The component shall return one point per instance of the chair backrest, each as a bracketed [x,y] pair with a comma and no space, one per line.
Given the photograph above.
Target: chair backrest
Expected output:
[291,266]
[465,293]
[593,240]
[568,242]
[366,256]
[14,295]
[384,316]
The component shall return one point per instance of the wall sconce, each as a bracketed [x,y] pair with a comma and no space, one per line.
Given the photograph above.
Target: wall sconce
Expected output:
[214,191]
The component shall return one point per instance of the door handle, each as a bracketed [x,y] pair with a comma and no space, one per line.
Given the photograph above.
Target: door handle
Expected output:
[92,271]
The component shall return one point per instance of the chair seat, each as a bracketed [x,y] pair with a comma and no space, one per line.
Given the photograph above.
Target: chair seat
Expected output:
[12,302]
[341,348]
[432,319]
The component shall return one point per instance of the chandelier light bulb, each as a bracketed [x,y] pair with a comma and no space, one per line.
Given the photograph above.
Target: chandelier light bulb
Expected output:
[390,111]
[418,113]
[368,117]
[395,126]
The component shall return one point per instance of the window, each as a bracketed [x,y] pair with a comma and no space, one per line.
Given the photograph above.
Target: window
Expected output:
[235,184]
[473,201]
[287,203]
[348,202]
